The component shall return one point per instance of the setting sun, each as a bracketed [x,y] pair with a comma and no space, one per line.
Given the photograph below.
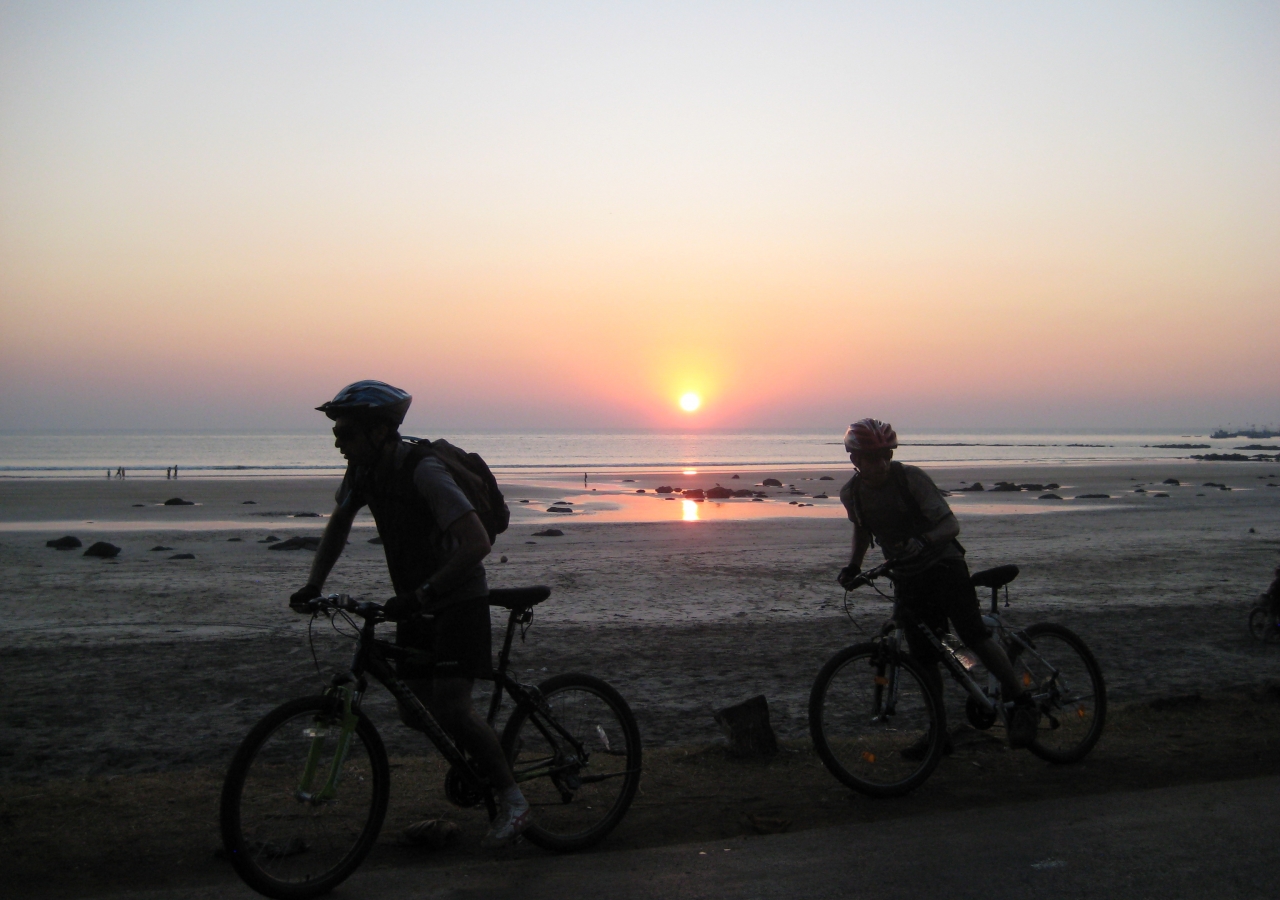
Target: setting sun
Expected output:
[690,402]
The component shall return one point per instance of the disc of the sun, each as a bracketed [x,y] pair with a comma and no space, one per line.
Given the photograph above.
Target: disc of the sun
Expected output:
[690,402]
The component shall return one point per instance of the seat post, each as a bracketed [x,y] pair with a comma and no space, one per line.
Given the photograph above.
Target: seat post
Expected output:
[995,601]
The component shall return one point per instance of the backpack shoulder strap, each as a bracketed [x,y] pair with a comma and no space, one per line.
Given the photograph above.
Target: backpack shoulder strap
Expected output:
[899,473]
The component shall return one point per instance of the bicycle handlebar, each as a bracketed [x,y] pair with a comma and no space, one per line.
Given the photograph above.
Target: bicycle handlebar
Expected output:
[344,602]
[867,576]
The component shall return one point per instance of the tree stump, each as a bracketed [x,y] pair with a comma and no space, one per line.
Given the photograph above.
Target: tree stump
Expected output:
[748,729]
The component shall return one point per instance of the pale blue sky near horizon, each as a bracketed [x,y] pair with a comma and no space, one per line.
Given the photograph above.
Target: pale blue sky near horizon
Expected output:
[1058,216]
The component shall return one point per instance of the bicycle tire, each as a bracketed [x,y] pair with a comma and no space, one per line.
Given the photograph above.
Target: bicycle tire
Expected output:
[576,802]
[287,847]
[859,745]
[1261,626]
[1071,716]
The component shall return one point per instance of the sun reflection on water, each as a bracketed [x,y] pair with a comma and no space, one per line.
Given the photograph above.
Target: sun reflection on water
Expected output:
[690,510]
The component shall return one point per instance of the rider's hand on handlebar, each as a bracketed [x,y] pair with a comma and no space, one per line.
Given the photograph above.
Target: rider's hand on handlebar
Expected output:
[298,600]
[401,608]
[848,575]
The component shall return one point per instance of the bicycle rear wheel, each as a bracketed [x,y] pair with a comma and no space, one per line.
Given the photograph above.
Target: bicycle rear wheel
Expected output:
[577,760]
[874,722]
[286,835]
[1067,685]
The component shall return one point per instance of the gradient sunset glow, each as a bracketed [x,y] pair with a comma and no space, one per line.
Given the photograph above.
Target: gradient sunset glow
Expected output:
[566,215]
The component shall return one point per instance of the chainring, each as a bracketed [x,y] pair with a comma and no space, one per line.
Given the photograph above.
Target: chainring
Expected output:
[459,791]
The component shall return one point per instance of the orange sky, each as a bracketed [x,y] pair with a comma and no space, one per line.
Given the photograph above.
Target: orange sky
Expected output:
[214,216]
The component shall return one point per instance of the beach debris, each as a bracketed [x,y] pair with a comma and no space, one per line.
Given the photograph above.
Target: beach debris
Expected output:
[178,501]
[66,542]
[1092,497]
[719,493]
[183,556]
[103,550]
[159,548]
[297,543]
[376,539]
[248,502]
[549,532]
[269,539]
[768,824]
[234,540]
[771,482]
[747,727]
[1172,481]
[1053,496]
[434,834]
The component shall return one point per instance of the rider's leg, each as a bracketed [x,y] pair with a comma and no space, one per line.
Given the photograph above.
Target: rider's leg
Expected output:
[451,704]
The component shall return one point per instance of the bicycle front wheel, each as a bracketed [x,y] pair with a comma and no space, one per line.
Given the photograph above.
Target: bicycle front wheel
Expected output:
[297,815]
[577,760]
[874,722]
[1066,683]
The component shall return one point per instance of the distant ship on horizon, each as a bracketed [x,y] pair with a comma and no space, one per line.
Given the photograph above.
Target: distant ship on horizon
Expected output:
[1252,432]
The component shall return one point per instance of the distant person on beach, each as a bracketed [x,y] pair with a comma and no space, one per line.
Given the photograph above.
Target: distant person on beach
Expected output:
[434,544]
[175,471]
[899,507]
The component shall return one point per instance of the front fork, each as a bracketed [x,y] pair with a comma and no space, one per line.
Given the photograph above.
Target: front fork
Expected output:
[319,732]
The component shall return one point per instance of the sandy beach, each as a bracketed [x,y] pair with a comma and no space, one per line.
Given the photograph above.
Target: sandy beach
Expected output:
[136,677]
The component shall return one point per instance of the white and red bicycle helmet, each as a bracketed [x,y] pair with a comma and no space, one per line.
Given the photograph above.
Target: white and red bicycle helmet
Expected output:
[866,435]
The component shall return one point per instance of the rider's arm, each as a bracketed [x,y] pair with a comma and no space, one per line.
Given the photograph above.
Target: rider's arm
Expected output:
[472,547]
[861,543]
[946,530]
[332,543]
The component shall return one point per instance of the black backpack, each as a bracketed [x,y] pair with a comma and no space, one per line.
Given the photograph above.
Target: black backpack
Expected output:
[919,523]
[473,476]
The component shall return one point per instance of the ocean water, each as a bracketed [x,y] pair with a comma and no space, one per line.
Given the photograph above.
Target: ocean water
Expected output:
[261,455]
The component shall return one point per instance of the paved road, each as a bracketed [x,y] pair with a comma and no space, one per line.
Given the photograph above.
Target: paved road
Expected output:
[1213,840]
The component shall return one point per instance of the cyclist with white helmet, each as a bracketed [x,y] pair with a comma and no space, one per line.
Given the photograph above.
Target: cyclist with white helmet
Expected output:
[901,508]
[434,543]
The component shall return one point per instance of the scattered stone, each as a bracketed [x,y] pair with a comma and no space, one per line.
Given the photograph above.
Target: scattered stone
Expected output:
[744,492]
[183,556]
[1139,490]
[502,559]
[664,489]
[549,532]
[1172,481]
[139,504]
[748,729]
[562,503]
[524,501]
[297,543]
[248,502]
[234,540]
[1032,487]
[694,494]
[757,499]
[640,490]
[178,501]
[1160,494]
[976,486]
[735,476]
[376,539]
[1005,486]
[771,482]
[826,478]
[1052,486]
[628,481]
[269,539]
[103,550]
[822,496]
[66,542]
[306,515]
[531,542]
[1223,487]
[718,493]
[559,509]
[1212,484]
[1251,531]
[1049,496]
[1093,497]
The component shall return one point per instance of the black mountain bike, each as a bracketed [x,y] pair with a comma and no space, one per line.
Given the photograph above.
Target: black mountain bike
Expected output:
[871,702]
[306,793]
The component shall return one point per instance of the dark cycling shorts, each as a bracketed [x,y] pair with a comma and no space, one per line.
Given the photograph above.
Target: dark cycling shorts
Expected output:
[939,593]
[457,638]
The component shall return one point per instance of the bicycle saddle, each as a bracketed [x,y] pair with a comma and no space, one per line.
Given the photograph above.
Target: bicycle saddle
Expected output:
[518,598]
[994,578]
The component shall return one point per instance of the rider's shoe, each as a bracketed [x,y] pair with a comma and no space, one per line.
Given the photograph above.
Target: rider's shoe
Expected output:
[920,748]
[1024,719]
[512,820]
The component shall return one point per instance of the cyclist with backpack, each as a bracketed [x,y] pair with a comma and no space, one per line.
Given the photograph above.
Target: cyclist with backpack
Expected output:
[901,508]
[435,539]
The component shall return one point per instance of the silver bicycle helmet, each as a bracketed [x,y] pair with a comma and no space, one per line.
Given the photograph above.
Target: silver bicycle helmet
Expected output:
[370,399]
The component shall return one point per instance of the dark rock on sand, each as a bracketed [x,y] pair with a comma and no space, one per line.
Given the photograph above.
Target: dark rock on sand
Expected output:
[1173,481]
[1049,497]
[743,492]
[822,496]
[771,482]
[1139,490]
[376,539]
[234,540]
[719,493]
[306,515]
[1093,497]
[1032,487]
[976,486]
[826,478]
[1052,486]
[269,539]
[640,491]
[248,502]
[1159,494]
[67,542]
[664,489]
[549,532]
[183,556]
[1005,486]
[103,550]
[694,494]
[159,548]
[139,504]
[178,501]
[559,509]
[297,543]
